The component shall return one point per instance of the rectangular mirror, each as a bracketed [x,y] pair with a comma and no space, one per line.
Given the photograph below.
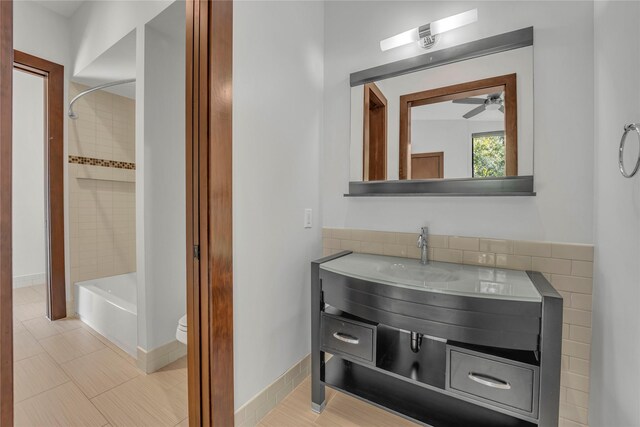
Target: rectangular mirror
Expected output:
[464,120]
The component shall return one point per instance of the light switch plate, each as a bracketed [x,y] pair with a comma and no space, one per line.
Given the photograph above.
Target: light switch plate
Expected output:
[308,218]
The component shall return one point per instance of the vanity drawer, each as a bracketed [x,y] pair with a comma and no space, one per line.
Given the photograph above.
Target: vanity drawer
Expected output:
[348,337]
[499,382]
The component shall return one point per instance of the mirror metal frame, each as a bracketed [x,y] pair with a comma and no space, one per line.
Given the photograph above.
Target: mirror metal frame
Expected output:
[503,186]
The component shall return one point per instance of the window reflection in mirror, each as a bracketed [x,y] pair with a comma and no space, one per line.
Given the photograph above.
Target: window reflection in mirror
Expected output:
[488,154]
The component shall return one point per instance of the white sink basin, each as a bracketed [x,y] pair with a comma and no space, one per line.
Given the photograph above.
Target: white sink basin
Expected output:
[469,280]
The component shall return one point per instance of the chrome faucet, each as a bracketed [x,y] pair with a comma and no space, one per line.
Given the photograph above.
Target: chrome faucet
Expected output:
[423,244]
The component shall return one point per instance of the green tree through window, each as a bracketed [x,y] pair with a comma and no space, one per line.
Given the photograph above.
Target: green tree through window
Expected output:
[488,154]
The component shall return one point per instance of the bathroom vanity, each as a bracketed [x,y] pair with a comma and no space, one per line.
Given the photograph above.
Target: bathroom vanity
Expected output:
[440,344]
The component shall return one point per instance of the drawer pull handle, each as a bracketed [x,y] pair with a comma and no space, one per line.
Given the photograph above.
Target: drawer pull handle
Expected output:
[489,381]
[346,338]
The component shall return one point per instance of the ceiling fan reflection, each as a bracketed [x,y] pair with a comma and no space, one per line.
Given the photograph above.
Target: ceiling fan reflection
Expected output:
[493,101]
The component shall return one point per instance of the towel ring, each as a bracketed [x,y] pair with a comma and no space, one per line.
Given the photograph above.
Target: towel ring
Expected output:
[628,128]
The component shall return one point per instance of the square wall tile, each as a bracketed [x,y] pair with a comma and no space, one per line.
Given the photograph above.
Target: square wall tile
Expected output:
[464,243]
[538,249]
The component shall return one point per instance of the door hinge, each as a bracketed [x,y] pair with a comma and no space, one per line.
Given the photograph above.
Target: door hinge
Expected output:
[196,252]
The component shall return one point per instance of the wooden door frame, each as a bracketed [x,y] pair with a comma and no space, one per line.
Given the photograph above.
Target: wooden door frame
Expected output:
[372,88]
[53,75]
[448,93]
[6,270]
[209,212]
[209,28]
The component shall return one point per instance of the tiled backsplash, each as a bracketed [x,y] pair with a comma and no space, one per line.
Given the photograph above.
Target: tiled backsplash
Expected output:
[569,268]
[101,186]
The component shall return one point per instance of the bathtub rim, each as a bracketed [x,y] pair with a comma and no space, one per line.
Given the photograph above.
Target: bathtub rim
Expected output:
[115,300]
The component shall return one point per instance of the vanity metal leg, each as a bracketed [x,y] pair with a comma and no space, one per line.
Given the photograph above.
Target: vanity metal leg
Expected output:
[317,357]
[550,352]
[550,362]
[318,401]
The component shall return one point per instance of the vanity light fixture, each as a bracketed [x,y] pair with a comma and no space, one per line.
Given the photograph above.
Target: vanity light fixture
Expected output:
[427,34]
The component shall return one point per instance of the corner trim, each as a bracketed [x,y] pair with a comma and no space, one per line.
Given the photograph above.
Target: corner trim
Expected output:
[152,360]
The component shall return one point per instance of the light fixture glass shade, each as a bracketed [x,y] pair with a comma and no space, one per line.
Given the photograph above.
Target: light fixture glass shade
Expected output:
[401,39]
[455,21]
[436,27]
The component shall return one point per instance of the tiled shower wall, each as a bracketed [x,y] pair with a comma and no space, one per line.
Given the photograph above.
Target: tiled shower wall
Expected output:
[101,185]
[569,268]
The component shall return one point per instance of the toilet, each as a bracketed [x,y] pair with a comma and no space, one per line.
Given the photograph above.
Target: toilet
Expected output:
[181,330]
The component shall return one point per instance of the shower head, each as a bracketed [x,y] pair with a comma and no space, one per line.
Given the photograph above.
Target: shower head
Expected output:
[72,114]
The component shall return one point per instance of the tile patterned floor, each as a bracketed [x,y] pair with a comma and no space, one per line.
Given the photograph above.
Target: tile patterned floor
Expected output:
[341,411]
[66,374]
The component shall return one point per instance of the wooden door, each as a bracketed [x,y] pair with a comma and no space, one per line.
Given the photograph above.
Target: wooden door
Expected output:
[375,134]
[427,165]
[209,213]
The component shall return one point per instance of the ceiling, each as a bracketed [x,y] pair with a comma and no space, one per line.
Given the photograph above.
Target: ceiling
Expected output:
[116,63]
[119,61]
[61,7]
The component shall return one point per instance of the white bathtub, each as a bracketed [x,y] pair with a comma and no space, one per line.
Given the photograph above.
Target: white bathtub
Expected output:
[109,306]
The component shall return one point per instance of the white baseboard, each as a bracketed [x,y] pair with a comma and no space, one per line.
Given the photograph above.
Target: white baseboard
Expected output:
[152,360]
[28,280]
[71,309]
[250,414]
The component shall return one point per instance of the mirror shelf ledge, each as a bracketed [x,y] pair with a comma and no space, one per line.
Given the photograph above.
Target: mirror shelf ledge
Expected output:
[462,187]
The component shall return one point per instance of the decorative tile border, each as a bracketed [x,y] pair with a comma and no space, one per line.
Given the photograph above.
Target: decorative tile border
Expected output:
[101,162]
[569,268]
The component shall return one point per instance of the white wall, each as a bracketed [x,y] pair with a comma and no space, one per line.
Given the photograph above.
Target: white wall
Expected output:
[39,31]
[164,223]
[95,27]
[28,175]
[563,73]
[277,116]
[98,25]
[74,43]
[454,138]
[615,351]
